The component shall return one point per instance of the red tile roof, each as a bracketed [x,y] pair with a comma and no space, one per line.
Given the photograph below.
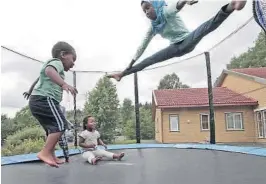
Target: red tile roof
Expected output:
[198,97]
[258,72]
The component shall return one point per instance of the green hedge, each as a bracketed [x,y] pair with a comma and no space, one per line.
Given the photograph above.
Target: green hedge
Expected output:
[27,140]
[26,147]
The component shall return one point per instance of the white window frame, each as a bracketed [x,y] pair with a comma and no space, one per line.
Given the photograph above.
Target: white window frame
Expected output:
[264,123]
[170,123]
[263,119]
[201,127]
[234,114]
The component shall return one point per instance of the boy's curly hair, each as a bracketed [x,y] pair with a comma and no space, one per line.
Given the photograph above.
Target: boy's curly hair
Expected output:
[63,46]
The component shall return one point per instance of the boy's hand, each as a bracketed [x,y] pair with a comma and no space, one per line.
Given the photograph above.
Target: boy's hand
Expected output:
[26,95]
[70,89]
[191,2]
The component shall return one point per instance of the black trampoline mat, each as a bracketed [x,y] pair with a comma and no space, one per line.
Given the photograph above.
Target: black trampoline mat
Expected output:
[147,166]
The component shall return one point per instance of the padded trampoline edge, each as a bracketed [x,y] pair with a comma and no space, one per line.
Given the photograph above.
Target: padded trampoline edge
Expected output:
[258,151]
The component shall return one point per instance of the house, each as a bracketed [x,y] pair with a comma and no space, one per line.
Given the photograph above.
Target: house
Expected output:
[251,82]
[182,115]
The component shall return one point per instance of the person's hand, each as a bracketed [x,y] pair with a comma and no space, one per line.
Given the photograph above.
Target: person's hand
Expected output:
[26,95]
[70,89]
[105,146]
[92,145]
[191,2]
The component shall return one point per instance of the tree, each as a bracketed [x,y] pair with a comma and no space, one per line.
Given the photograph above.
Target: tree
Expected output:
[79,116]
[102,103]
[171,81]
[147,130]
[7,127]
[147,105]
[147,127]
[127,110]
[253,57]
[24,118]
[130,129]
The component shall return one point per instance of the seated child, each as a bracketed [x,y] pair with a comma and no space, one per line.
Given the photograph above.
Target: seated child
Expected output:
[89,139]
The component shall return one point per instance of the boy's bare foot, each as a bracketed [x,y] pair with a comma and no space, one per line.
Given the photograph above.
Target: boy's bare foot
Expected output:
[95,160]
[48,159]
[237,4]
[121,155]
[116,76]
[58,161]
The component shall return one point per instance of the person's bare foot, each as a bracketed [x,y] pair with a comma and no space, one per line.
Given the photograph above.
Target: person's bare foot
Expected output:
[121,155]
[58,161]
[116,76]
[237,4]
[95,160]
[47,158]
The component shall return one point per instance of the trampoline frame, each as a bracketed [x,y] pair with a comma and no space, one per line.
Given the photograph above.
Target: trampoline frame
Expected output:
[258,151]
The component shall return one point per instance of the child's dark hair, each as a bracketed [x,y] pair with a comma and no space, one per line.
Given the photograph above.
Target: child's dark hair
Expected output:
[65,47]
[85,122]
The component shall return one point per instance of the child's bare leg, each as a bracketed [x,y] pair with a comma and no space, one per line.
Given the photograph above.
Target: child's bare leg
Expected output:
[95,160]
[46,154]
[91,157]
[119,156]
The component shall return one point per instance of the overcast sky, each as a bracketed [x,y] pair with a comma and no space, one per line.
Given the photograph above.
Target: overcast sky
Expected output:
[106,35]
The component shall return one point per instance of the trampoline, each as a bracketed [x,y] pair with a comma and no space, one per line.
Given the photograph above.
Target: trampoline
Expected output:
[151,165]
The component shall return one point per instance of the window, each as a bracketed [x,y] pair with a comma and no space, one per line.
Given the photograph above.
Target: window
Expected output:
[264,124]
[261,122]
[234,121]
[205,122]
[174,123]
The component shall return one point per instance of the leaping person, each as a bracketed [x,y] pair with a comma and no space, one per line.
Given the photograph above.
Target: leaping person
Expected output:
[166,21]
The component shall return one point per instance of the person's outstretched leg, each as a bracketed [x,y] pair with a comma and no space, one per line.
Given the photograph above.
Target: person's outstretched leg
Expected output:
[192,40]
[187,45]
[162,55]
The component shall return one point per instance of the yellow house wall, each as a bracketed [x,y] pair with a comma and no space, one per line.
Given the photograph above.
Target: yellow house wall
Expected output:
[242,85]
[191,131]
[158,126]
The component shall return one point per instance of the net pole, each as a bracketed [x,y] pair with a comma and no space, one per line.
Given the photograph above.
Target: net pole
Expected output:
[75,109]
[137,107]
[210,94]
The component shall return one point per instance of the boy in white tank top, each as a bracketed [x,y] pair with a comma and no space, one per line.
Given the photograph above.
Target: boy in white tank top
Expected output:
[89,139]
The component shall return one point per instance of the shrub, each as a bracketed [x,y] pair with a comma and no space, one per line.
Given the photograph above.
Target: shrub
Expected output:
[26,147]
[33,133]
[27,140]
